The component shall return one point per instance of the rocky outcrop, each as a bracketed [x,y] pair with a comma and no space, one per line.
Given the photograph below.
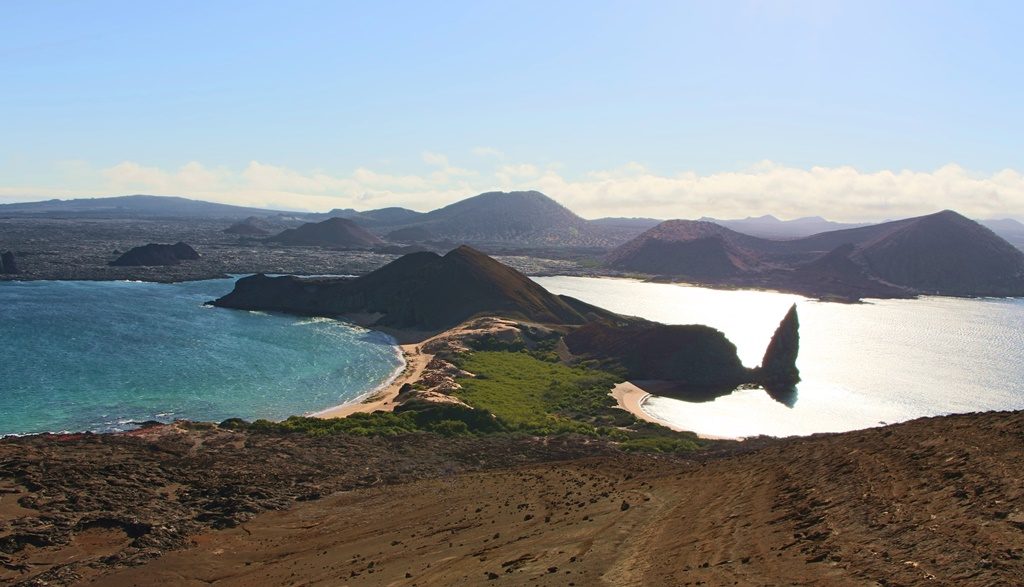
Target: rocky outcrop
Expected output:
[778,368]
[156,255]
[8,265]
[699,361]
[695,356]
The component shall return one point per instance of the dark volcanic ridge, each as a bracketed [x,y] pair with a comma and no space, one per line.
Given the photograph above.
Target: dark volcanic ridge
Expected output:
[423,291]
[943,254]
[156,254]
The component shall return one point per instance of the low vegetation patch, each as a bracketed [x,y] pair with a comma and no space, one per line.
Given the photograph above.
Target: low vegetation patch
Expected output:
[516,391]
[446,420]
[528,392]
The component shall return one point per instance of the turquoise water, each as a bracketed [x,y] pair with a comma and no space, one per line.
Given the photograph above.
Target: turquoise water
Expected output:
[101,356]
[862,365]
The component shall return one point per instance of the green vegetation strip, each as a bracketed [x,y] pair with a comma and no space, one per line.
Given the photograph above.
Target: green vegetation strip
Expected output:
[514,392]
[527,393]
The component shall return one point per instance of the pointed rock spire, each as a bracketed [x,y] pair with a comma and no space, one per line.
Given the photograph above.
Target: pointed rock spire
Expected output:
[779,364]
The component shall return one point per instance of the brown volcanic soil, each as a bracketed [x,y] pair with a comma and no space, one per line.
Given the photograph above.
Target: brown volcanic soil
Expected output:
[936,500]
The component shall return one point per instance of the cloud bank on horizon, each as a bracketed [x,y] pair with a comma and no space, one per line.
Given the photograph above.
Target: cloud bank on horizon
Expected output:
[838,193]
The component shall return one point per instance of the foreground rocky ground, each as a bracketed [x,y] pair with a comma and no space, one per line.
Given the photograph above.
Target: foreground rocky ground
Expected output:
[935,501]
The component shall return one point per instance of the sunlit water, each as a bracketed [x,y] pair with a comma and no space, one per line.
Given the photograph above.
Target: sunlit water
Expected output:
[862,365]
[101,356]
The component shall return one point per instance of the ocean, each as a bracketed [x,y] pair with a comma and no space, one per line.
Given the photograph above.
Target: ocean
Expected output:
[104,356]
[862,365]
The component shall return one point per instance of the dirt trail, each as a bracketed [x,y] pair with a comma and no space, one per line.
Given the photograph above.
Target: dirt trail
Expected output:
[937,501]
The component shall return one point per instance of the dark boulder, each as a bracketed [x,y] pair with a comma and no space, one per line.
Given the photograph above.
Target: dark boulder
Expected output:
[7,263]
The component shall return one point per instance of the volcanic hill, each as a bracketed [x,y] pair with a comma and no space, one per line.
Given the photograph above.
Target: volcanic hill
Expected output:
[251,226]
[524,218]
[156,254]
[943,253]
[333,232]
[420,290]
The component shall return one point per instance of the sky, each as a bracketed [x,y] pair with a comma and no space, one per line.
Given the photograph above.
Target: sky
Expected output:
[855,111]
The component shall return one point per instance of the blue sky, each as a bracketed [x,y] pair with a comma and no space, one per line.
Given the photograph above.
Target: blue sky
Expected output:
[632,108]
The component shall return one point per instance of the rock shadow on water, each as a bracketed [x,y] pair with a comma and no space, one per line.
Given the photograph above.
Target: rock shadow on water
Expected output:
[683,391]
[784,394]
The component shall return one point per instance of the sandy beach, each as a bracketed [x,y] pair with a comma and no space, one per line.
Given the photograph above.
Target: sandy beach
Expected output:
[384,398]
[631,398]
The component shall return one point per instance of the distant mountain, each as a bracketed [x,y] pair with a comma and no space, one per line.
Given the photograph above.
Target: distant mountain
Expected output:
[382,218]
[1009,229]
[522,218]
[690,248]
[387,216]
[419,290]
[943,253]
[771,227]
[333,232]
[411,234]
[949,254]
[251,226]
[138,206]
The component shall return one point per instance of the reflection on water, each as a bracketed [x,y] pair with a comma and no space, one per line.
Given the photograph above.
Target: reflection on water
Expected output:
[786,395]
[862,365]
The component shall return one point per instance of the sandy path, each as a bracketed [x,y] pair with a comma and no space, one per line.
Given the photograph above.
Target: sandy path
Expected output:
[384,399]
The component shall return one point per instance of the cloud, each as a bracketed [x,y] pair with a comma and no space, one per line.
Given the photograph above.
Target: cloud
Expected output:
[839,193]
[435,159]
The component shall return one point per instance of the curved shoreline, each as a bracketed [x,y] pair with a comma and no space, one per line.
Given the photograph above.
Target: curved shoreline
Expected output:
[383,398]
[631,399]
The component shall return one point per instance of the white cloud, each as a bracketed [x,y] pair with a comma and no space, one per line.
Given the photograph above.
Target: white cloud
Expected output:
[840,193]
[488,152]
[435,159]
